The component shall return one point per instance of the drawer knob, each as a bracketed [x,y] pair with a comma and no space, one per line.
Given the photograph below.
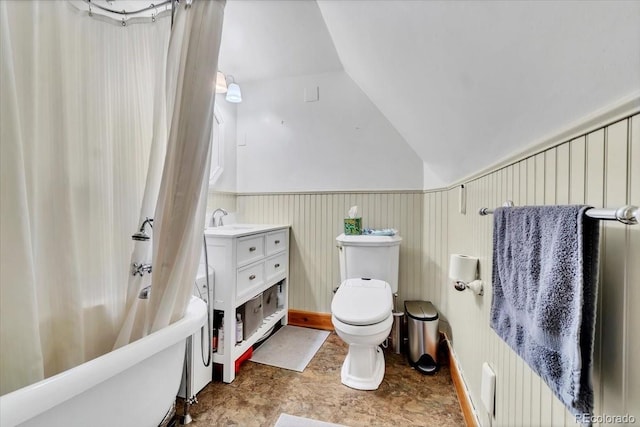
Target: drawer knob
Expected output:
[252,248]
[253,276]
[277,242]
[276,266]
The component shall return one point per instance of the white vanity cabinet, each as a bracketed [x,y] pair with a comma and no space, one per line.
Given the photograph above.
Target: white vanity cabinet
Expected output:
[247,260]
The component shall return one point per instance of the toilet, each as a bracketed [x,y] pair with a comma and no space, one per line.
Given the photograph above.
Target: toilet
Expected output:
[362,307]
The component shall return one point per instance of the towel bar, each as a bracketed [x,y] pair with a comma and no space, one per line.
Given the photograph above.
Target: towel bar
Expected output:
[628,214]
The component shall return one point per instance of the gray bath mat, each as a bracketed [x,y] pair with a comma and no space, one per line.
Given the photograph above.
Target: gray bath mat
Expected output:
[292,347]
[286,420]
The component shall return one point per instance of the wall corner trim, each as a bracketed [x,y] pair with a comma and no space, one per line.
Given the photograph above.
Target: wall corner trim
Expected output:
[212,190]
[322,192]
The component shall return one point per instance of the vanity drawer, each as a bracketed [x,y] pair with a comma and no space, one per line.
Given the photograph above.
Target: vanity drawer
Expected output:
[276,265]
[249,277]
[276,242]
[250,249]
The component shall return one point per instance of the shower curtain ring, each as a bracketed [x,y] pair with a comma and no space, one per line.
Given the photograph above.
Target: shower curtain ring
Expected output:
[124,23]
[153,15]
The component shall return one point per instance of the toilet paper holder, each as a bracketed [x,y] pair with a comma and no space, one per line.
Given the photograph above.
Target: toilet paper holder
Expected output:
[463,270]
[476,286]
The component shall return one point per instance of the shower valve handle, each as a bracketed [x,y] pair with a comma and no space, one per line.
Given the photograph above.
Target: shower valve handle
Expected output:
[140,269]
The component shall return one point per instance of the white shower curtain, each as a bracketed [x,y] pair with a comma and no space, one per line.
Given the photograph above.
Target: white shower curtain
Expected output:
[192,64]
[78,106]
[182,201]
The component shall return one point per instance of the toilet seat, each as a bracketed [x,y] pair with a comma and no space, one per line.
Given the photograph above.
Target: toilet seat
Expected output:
[362,302]
[368,330]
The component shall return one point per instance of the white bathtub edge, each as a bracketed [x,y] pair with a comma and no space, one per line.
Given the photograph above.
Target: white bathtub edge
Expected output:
[20,405]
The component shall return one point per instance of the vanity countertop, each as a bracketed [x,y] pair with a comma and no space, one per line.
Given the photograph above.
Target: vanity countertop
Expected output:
[239,230]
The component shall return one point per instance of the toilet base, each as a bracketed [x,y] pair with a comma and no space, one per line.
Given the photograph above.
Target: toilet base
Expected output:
[363,368]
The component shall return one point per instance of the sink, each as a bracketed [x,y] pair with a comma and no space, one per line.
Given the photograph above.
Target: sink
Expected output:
[232,228]
[235,227]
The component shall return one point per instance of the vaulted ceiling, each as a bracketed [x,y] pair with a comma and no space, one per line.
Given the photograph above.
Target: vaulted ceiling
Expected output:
[465,83]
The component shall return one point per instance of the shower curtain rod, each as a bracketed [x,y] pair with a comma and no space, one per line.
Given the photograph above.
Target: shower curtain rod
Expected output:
[124,12]
[628,214]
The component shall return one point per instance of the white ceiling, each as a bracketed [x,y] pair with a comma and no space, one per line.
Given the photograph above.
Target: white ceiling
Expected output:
[465,83]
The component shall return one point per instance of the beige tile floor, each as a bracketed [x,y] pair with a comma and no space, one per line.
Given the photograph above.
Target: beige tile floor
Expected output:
[260,393]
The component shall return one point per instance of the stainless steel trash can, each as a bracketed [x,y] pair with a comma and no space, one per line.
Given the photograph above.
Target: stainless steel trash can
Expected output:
[422,319]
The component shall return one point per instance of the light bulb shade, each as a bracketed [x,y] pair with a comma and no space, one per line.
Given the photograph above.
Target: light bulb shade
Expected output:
[221,83]
[233,93]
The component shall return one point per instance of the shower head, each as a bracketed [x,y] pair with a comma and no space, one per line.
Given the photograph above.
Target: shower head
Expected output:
[142,236]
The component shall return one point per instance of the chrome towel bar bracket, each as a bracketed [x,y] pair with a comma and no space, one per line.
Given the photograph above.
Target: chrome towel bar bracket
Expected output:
[487,211]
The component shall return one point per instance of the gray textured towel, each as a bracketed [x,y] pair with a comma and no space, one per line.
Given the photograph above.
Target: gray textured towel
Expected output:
[545,264]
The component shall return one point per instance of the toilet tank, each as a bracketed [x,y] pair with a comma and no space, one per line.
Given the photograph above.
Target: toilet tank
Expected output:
[373,257]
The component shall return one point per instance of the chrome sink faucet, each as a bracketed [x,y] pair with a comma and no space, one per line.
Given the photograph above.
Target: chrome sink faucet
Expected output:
[213,217]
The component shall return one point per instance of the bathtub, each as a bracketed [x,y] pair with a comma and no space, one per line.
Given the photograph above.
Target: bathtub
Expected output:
[135,385]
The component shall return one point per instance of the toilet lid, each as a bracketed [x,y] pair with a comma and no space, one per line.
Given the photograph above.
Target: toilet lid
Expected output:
[362,302]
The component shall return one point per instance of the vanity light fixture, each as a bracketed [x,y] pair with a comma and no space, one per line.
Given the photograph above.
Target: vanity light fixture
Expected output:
[233,93]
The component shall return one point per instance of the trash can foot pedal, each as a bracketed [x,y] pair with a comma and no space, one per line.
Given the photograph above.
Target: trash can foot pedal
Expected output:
[427,369]
[425,365]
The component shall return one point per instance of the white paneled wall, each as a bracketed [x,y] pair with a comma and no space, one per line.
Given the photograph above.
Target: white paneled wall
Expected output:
[222,200]
[435,248]
[601,169]
[316,220]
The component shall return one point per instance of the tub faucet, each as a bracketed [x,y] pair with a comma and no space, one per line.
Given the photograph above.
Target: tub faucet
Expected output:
[213,217]
[145,292]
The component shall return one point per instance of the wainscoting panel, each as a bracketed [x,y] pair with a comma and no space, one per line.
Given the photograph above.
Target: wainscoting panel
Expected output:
[631,323]
[317,218]
[225,201]
[600,169]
